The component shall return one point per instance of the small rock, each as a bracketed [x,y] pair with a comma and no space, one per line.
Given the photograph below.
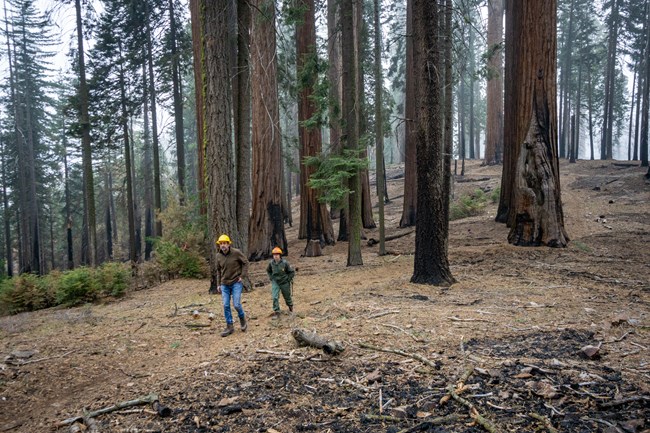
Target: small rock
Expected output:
[398,412]
[373,377]
[611,201]
[590,352]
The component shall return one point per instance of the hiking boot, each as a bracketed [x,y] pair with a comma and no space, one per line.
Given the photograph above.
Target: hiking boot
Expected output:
[243,323]
[275,315]
[229,330]
[291,308]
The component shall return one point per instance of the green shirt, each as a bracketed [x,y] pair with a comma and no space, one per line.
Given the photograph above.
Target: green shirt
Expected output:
[281,272]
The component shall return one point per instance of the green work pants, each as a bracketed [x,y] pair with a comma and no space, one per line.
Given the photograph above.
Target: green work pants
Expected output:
[286,294]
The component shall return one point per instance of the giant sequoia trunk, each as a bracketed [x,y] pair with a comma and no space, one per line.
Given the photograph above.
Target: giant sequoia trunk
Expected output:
[431,265]
[536,216]
[410,175]
[494,126]
[266,229]
[219,154]
[315,222]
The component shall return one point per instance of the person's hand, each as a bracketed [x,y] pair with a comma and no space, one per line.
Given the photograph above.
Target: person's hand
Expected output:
[239,280]
[219,289]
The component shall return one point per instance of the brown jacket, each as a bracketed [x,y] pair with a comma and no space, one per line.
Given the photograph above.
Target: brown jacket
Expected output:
[231,266]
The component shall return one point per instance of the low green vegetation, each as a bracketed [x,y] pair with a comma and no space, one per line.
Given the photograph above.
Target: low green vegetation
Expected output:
[28,292]
[472,204]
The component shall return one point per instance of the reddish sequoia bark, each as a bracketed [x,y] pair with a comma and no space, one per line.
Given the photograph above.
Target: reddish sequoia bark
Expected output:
[536,216]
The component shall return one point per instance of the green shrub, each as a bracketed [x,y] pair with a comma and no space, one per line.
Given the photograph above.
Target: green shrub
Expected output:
[177,261]
[77,286]
[468,205]
[26,292]
[113,278]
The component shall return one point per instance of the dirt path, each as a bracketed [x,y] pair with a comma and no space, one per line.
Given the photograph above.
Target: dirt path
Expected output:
[511,309]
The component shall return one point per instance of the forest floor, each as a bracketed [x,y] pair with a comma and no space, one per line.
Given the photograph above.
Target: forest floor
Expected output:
[520,316]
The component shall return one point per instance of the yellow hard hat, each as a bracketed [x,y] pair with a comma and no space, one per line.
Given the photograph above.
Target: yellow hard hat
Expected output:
[276,250]
[223,239]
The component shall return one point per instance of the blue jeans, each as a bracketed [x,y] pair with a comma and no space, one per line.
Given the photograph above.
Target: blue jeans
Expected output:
[234,290]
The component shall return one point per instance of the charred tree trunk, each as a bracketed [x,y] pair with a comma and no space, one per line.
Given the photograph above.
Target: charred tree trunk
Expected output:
[410,170]
[536,216]
[266,229]
[449,127]
[315,222]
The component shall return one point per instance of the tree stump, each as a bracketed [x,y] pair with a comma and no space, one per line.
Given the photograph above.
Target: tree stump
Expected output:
[313,248]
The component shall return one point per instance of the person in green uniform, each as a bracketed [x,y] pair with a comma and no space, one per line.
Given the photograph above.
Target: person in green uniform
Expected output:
[281,275]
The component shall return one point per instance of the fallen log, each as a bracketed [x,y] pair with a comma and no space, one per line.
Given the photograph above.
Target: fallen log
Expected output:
[372,241]
[309,338]
[149,399]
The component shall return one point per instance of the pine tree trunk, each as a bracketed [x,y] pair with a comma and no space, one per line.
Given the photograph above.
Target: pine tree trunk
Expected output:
[178,106]
[86,152]
[643,148]
[266,229]
[591,118]
[576,148]
[565,127]
[629,128]
[157,196]
[68,204]
[7,219]
[315,222]
[219,155]
[107,218]
[127,166]
[243,125]
[471,93]
[148,170]
[431,265]
[494,122]
[350,115]
[334,78]
[449,126]
[197,51]
[610,84]
[379,130]
[410,170]
[536,216]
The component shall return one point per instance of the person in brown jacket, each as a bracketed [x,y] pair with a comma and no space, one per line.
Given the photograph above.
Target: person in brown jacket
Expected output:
[232,268]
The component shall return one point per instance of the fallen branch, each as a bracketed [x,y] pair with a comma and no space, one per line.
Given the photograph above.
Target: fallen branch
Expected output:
[383,313]
[371,417]
[623,401]
[45,359]
[546,421]
[415,356]
[458,319]
[149,399]
[426,425]
[355,385]
[308,338]
[473,413]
